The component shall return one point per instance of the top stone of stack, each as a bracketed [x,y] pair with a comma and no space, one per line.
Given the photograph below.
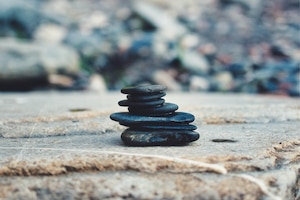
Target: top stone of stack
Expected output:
[146,89]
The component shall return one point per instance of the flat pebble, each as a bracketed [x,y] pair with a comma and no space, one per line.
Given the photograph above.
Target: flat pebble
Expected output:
[145,104]
[144,89]
[147,97]
[176,118]
[166,108]
[158,137]
[188,127]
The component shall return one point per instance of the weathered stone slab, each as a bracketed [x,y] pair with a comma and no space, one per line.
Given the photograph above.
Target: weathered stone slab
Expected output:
[63,145]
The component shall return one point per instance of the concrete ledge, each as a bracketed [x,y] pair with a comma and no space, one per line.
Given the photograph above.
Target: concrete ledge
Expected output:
[63,145]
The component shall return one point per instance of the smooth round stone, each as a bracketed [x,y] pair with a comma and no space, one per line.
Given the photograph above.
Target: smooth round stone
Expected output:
[176,118]
[149,97]
[165,108]
[158,137]
[144,89]
[156,102]
[187,127]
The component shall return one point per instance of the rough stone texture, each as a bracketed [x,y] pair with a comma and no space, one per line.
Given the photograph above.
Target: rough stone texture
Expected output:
[64,146]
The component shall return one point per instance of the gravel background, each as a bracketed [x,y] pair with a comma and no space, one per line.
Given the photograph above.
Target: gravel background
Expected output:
[209,45]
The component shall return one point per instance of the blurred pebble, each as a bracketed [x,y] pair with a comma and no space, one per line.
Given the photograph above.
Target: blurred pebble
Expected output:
[162,77]
[60,80]
[190,41]
[198,83]
[223,81]
[97,83]
[51,33]
[194,62]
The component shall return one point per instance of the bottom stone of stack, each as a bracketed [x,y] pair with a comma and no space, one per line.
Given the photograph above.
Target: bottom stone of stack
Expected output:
[149,137]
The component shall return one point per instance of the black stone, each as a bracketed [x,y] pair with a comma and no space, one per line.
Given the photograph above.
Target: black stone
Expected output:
[176,118]
[144,89]
[174,127]
[151,121]
[148,97]
[150,111]
[157,102]
[158,137]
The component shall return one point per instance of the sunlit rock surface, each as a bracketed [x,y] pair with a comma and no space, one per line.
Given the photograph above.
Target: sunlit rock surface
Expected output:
[63,145]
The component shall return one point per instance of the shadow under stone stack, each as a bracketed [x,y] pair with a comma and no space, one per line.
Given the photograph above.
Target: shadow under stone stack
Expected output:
[151,121]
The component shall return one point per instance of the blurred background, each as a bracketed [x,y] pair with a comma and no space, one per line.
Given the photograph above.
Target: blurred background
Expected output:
[102,45]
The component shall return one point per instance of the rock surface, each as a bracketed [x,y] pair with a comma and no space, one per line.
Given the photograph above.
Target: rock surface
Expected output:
[64,146]
[22,61]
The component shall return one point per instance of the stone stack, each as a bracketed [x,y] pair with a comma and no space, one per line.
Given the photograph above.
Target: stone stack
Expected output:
[152,121]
